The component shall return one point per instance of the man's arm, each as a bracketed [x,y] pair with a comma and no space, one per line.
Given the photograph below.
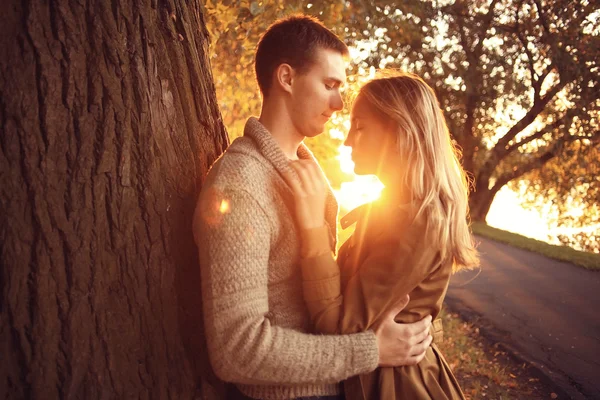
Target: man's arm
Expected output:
[233,235]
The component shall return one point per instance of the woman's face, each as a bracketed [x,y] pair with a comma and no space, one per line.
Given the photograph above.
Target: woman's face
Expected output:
[372,138]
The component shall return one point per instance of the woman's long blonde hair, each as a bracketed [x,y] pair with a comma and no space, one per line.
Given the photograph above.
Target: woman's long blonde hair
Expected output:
[434,175]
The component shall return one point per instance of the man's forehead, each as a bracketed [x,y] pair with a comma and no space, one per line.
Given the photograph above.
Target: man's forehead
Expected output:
[330,63]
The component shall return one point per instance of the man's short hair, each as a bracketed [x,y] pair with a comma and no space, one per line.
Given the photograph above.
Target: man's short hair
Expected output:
[292,40]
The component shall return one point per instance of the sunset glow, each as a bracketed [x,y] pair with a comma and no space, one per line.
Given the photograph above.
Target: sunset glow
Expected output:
[506,213]
[362,189]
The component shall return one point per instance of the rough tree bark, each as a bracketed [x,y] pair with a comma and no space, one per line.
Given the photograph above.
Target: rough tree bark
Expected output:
[108,122]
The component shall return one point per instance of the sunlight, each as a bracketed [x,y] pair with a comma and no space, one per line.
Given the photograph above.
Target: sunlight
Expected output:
[506,213]
[362,189]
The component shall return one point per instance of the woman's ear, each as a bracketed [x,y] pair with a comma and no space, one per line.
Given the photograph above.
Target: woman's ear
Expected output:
[284,76]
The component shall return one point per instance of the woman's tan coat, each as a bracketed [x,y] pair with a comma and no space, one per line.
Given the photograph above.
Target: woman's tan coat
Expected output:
[387,256]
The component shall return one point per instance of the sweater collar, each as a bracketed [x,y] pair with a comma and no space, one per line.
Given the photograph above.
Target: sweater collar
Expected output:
[268,146]
[270,150]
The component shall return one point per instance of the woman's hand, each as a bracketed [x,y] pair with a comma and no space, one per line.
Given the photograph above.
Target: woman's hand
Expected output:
[310,193]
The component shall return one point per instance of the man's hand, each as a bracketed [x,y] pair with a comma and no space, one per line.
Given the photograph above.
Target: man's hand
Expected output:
[402,344]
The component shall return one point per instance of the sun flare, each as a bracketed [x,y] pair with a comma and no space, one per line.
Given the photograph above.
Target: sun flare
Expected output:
[362,189]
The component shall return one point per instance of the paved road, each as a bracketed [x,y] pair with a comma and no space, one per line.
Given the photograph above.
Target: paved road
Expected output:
[545,310]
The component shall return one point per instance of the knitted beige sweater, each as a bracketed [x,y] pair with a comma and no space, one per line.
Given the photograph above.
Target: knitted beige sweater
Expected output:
[255,317]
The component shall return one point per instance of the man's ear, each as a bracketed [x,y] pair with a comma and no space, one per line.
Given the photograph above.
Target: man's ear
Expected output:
[284,76]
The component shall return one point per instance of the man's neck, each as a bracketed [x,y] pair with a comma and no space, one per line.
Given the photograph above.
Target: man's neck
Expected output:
[282,130]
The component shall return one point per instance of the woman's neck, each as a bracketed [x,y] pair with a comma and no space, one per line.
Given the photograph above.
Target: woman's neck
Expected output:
[395,192]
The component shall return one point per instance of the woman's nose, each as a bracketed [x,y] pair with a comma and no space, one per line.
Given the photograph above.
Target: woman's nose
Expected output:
[349,139]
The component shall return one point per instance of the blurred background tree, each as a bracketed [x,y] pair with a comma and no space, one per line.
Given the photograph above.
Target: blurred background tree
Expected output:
[518,82]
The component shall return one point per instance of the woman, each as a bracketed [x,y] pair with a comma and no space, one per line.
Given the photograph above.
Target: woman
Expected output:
[407,242]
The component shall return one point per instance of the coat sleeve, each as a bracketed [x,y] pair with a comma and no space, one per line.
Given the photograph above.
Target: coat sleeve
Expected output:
[393,267]
[233,235]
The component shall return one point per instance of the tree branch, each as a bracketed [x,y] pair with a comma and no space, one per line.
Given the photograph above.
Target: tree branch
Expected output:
[539,7]
[547,71]
[565,119]
[487,22]
[537,84]
[501,147]
[523,169]
[539,161]
[463,34]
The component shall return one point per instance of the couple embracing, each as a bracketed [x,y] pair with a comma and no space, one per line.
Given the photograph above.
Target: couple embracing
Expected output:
[286,319]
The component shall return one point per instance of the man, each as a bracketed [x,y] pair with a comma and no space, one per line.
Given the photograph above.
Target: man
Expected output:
[256,322]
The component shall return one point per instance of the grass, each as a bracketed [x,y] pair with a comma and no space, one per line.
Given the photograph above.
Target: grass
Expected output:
[561,253]
[484,370]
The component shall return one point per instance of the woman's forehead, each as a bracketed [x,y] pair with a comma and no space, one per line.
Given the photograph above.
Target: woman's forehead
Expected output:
[361,109]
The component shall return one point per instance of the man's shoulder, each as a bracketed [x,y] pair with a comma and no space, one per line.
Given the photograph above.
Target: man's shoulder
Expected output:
[236,180]
[241,165]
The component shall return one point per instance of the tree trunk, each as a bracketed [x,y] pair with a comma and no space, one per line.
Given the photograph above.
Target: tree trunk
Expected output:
[480,202]
[108,122]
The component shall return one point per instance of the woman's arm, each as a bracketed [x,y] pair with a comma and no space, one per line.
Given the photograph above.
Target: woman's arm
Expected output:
[320,280]
[393,268]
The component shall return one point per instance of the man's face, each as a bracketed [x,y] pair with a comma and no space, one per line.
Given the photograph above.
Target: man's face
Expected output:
[315,94]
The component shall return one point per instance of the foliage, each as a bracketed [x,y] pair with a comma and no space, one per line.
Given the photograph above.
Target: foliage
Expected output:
[518,82]
[561,253]
[575,197]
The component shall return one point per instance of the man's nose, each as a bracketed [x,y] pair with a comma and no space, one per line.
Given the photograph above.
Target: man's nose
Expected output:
[337,103]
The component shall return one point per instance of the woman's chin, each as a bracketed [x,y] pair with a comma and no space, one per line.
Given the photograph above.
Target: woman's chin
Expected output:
[360,171]
[359,168]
